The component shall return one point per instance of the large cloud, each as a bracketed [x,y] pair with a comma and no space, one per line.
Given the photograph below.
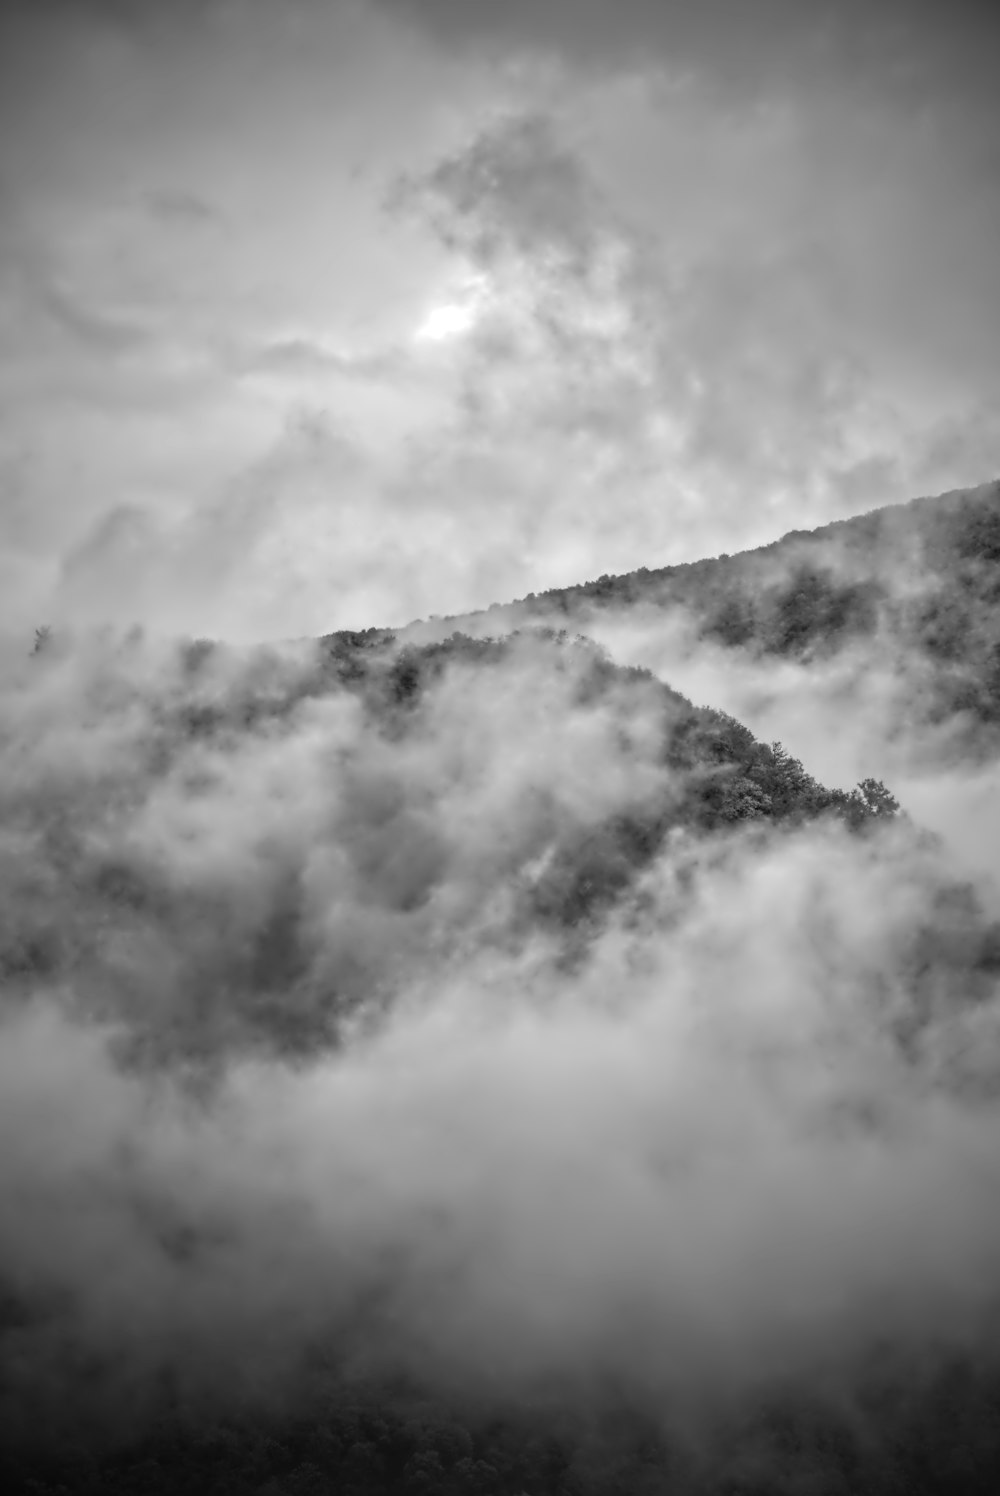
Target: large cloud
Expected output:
[682,374]
[288,1065]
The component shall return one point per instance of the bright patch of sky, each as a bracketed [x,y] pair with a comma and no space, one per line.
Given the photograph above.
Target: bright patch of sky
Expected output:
[455,315]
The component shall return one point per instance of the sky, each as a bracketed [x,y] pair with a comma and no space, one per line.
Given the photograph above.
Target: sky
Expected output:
[330,315]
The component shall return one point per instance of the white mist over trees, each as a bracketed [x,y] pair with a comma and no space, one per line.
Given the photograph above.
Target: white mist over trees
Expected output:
[466,1032]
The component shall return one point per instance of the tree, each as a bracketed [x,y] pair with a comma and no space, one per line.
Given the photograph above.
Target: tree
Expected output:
[745,801]
[879,801]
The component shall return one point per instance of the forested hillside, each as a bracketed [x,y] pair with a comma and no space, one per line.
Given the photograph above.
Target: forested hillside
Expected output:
[917,584]
[91,896]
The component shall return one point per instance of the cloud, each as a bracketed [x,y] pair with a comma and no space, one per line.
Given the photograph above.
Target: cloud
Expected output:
[902,49]
[515,186]
[294,523]
[305,357]
[865,709]
[617,396]
[684,378]
[97,331]
[177,206]
[290,1062]
[298,355]
[710,312]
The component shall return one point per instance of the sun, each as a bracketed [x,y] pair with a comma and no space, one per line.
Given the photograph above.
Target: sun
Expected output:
[449,319]
[453,316]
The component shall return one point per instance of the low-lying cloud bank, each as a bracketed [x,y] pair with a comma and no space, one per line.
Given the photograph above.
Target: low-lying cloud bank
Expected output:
[298,1063]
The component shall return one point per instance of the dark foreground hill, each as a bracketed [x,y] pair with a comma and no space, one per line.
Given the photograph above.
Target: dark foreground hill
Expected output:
[475,1068]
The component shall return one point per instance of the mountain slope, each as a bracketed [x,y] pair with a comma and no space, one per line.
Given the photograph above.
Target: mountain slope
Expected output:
[916,586]
[412,732]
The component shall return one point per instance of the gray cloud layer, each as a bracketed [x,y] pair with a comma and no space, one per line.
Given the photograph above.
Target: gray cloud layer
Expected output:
[910,49]
[743,286]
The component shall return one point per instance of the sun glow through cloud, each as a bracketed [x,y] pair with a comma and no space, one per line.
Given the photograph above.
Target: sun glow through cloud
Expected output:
[454,315]
[448,320]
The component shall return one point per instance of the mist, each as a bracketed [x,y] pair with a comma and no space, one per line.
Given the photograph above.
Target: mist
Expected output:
[298,1063]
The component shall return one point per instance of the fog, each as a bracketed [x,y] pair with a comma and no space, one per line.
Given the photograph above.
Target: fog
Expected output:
[861,711]
[295,1065]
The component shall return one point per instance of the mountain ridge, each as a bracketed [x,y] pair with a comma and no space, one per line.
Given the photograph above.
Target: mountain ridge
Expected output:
[870,535]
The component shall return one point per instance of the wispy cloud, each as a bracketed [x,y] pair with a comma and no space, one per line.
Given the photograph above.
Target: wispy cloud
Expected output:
[176,206]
